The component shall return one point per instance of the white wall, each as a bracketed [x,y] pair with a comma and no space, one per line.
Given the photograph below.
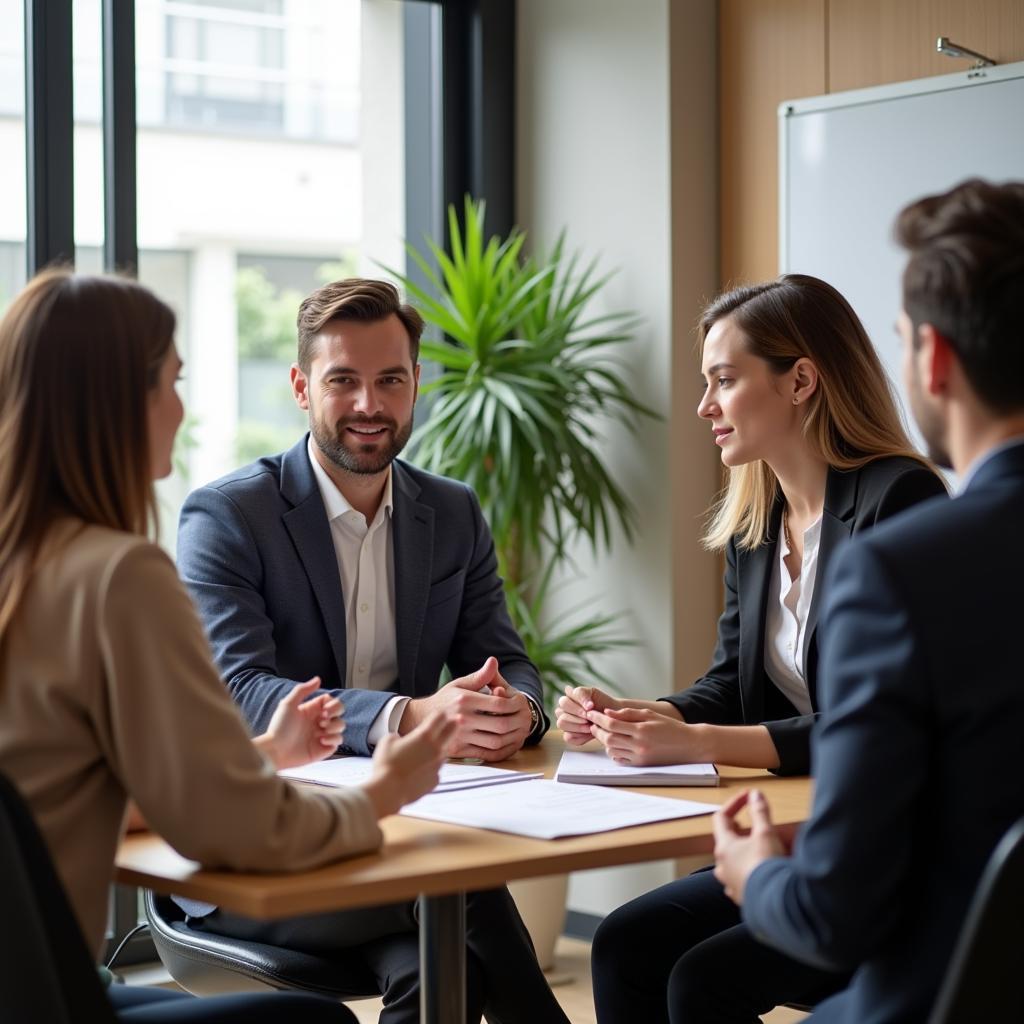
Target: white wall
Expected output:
[593,157]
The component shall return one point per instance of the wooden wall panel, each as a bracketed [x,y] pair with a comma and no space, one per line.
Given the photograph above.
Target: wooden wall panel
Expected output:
[872,42]
[770,50]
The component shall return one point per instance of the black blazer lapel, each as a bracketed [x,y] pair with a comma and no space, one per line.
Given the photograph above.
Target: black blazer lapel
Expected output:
[836,527]
[413,535]
[307,525]
[755,572]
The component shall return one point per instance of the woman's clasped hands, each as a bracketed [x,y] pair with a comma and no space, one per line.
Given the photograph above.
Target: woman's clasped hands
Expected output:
[631,731]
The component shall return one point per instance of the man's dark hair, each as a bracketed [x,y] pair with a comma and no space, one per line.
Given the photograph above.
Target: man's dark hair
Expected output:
[965,277]
[355,299]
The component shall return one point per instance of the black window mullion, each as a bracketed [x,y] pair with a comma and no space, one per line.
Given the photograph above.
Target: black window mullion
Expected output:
[49,134]
[478,74]
[120,241]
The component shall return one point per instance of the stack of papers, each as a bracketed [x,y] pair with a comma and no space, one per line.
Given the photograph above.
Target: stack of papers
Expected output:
[351,771]
[543,809]
[598,769]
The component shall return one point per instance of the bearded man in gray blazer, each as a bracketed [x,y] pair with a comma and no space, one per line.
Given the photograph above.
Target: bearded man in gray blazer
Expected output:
[336,560]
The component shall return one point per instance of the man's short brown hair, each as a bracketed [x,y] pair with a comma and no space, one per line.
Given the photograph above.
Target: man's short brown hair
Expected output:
[358,299]
[965,277]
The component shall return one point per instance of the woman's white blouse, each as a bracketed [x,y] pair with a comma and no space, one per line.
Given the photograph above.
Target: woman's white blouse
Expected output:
[789,603]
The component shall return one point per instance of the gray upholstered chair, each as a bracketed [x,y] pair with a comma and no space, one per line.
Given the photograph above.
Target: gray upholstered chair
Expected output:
[207,964]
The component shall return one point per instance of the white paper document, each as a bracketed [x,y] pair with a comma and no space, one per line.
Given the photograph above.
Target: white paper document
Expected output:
[548,810]
[595,767]
[351,771]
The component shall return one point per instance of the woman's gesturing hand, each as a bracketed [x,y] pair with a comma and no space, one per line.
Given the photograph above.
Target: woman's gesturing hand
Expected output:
[406,767]
[303,731]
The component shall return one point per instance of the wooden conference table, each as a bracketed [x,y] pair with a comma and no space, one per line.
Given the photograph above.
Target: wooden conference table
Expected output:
[440,863]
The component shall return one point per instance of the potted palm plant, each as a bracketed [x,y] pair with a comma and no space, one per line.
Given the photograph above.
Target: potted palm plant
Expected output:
[527,378]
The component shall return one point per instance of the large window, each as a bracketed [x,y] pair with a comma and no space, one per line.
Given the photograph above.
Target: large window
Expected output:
[270,160]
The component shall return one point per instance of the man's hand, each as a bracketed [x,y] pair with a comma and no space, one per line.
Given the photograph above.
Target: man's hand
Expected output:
[300,733]
[571,713]
[406,767]
[737,853]
[639,736]
[491,726]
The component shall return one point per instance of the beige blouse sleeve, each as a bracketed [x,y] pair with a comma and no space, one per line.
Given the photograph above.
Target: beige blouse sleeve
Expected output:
[171,733]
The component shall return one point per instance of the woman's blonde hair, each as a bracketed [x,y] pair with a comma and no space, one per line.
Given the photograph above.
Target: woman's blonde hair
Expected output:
[78,357]
[851,418]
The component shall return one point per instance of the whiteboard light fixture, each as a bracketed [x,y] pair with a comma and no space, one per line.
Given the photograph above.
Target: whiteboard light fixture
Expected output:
[951,49]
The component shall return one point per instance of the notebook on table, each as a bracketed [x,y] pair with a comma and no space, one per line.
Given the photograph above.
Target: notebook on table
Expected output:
[595,767]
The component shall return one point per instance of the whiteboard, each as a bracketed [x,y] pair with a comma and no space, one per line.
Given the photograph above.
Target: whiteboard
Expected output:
[850,161]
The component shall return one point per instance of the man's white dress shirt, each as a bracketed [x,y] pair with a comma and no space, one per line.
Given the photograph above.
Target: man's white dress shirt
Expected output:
[366,565]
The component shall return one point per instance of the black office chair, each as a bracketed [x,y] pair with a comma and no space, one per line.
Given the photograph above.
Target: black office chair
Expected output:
[983,981]
[46,971]
[206,964]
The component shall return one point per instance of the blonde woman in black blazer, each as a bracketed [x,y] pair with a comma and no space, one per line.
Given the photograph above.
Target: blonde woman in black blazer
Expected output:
[800,406]
[736,688]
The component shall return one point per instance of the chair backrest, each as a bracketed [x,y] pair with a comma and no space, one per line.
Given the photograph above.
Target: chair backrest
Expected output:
[985,978]
[46,970]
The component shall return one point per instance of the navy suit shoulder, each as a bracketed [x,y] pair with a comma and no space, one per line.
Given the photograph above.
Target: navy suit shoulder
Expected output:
[262,479]
[434,484]
[265,470]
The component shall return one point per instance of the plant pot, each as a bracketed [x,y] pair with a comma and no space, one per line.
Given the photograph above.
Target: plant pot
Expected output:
[541,903]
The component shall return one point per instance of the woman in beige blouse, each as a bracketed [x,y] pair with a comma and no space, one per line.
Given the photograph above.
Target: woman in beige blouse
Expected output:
[107,691]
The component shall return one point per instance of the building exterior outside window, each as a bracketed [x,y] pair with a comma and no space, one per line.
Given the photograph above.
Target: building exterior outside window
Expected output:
[270,158]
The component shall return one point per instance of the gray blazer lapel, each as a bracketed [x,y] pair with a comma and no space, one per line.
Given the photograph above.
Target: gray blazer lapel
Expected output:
[311,534]
[413,534]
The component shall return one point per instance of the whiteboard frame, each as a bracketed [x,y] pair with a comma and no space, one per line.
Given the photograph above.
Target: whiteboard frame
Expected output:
[790,109]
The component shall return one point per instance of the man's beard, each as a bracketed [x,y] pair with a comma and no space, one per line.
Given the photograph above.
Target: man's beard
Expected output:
[364,459]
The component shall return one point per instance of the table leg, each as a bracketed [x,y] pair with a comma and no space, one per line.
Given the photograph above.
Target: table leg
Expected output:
[443,959]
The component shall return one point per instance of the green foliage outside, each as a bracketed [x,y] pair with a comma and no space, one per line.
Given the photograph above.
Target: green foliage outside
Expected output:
[255,439]
[266,313]
[266,317]
[266,333]
[184,442]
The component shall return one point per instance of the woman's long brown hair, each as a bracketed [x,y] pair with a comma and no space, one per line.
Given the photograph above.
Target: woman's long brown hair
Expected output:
[78,357]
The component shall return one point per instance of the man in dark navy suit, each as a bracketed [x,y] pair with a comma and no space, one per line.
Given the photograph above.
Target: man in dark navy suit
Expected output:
[917,757]
[337,560]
